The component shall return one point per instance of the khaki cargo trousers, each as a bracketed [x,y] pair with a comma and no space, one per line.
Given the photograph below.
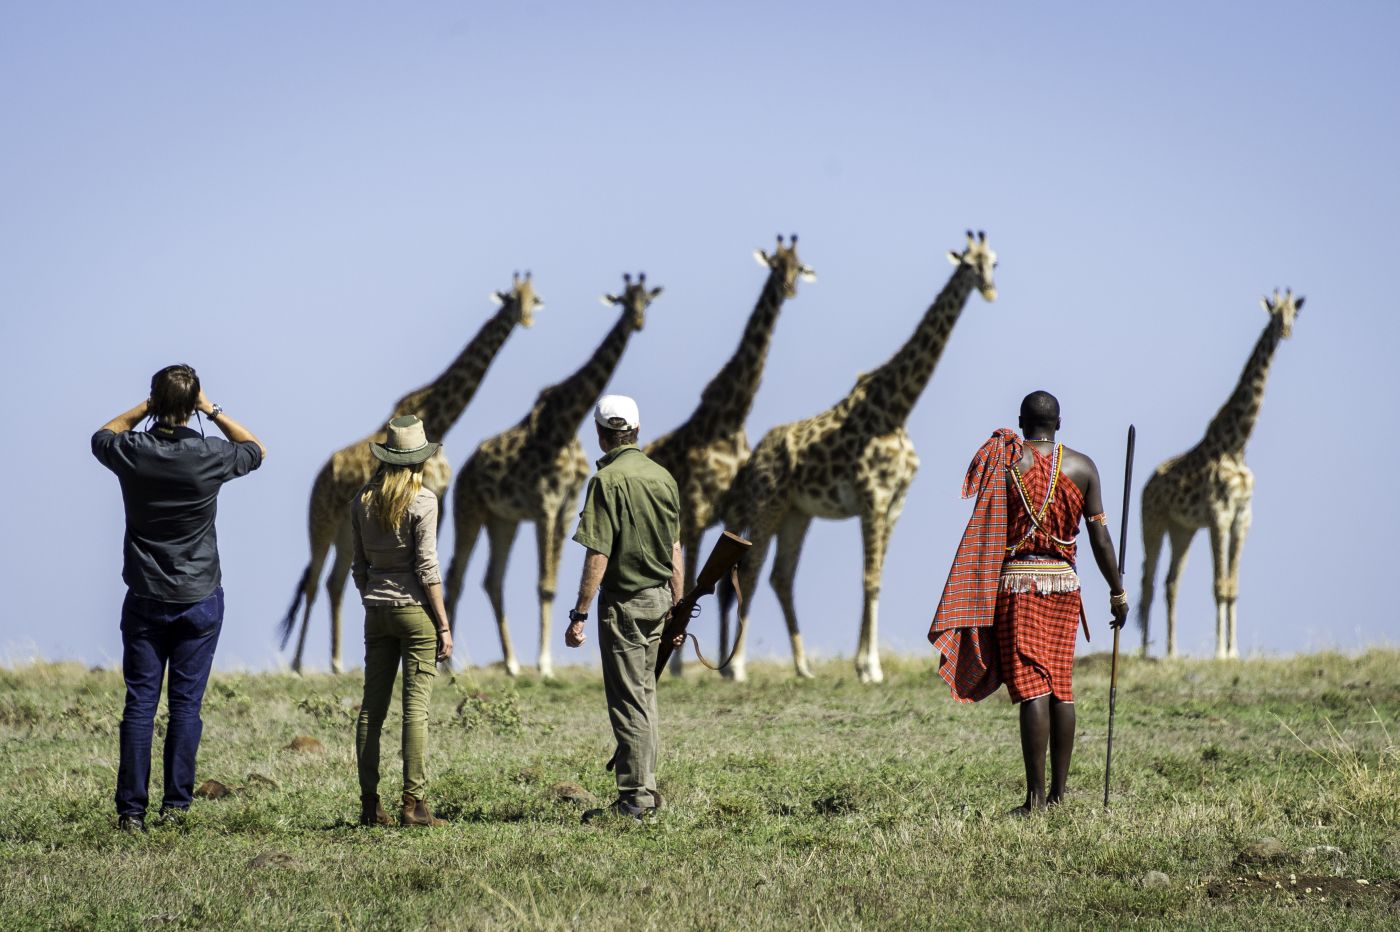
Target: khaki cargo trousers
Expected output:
[629,634]
[396,636]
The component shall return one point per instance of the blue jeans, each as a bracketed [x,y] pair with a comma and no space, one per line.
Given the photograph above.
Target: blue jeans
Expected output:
[155,634]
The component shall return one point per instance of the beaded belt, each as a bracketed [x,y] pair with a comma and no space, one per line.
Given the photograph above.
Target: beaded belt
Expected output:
[1043,577]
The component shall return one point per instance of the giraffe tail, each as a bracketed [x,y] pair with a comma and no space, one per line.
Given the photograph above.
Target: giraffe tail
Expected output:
[289,621]
[1151,550]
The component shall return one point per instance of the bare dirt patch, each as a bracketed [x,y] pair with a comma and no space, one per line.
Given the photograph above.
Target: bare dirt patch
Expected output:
[1305,886]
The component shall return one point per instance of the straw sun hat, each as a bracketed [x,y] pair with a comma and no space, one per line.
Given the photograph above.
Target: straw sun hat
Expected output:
[407,443]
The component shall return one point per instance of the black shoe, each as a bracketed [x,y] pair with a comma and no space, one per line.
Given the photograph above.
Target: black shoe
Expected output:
[618,809]
[132,824]
[658,802]
[172,816]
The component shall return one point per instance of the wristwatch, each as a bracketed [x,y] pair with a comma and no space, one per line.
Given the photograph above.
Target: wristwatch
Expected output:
[215,411]
[576,615]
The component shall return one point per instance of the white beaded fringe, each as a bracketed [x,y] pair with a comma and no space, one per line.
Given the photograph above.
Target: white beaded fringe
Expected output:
[1040,583]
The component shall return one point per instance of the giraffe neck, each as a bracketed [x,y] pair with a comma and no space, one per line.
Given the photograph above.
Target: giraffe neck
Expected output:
[442,401]
[563,406]
[893,389]
[1229,430]
[727,399]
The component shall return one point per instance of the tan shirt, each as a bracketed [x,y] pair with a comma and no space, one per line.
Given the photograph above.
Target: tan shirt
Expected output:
[393,567]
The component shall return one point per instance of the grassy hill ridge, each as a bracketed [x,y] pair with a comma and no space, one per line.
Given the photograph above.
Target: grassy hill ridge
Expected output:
[792,804]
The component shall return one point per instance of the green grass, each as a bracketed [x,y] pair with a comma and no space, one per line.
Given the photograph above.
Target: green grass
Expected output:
[797,804]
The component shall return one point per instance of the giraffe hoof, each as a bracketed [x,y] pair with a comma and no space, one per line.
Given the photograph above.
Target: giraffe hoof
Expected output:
[546,671]
[804,672]
[336,667]
[736,674]
[512,668]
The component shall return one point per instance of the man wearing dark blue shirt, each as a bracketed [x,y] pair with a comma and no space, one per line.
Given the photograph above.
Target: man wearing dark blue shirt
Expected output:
[170,477]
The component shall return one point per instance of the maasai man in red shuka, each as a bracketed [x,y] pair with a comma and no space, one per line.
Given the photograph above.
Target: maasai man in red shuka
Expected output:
[1010,609]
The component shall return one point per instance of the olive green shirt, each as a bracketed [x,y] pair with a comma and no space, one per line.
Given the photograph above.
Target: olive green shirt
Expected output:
[631,515]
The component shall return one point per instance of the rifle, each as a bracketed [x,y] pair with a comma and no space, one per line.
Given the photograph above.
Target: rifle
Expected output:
[723,560]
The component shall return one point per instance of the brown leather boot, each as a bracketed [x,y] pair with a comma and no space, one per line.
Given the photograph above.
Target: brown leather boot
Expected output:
[416,812]
[372,811]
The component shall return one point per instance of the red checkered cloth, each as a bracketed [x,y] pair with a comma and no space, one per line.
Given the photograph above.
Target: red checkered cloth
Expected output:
[1036,631]
[1035,635]
[962,625]
[1061,518]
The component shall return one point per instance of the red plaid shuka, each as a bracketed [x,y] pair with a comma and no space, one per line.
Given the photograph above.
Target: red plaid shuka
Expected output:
[987,636]
[962,626]
[1036,630]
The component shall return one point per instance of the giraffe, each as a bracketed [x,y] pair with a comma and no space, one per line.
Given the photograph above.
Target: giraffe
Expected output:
[534,472]
[853,460]
[705,452]
[1209,486]
[438,404]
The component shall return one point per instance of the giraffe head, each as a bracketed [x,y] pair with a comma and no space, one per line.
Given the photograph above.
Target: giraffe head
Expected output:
[1285,307]
[981,260]
[521,298]
[634,298]
[785,264]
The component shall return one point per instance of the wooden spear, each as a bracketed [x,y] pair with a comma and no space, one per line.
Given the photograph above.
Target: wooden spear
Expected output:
[1122,570]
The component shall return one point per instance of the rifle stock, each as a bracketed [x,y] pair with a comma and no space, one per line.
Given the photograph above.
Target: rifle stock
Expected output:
[728,551]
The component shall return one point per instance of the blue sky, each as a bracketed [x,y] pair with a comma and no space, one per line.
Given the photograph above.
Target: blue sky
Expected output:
[311,202]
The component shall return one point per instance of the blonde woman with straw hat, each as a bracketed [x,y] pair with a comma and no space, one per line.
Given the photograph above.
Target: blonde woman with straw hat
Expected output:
[394,521]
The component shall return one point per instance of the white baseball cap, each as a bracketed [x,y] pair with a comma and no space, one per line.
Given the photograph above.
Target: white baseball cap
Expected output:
[617,412]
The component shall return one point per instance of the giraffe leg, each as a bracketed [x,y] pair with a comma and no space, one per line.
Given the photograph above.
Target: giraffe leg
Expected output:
[468,516]
[749,569]
[875,543]
[875,535]
[500,534]
[790,537]
[690,553]
[1180,540]
[321,540]
[1243,518]
[335,587]
[1219,550]
[1153,534]
[549,545]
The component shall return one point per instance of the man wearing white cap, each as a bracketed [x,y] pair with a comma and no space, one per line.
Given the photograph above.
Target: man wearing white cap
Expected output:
[630,524]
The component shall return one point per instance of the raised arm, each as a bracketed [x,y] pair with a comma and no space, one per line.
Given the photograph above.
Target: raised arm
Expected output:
[127,420]
[233,430]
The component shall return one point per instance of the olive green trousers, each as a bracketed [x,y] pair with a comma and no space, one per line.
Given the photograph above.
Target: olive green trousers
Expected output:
[629,634]
[400,635]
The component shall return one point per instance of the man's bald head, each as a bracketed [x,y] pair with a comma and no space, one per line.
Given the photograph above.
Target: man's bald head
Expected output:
[1040,410]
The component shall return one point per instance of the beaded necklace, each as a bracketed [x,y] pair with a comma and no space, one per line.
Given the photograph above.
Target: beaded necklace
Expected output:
[1037,516]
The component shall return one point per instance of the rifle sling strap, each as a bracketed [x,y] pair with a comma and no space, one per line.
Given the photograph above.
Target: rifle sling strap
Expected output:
[739,637]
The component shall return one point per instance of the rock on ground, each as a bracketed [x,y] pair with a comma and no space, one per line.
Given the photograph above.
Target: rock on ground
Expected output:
[569,792]
[213,789]
[1154,880]
[1263,851]
[272,859]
